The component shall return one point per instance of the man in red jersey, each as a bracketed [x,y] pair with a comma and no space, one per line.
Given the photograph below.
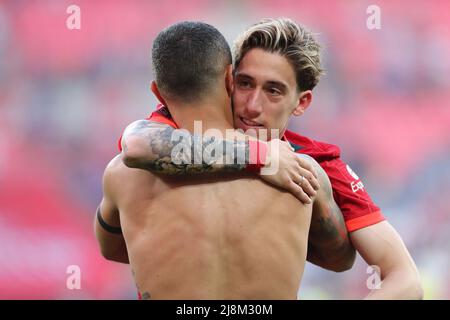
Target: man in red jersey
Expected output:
[276,67]
[227,235]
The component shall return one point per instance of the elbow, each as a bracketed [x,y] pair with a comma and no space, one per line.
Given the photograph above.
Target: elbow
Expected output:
[337,266]
[337,260]
[416,288]
[112,249]
[347,265]
[413,284]
[344,264]
[107,253]
[108,250]
[419,292]
[114,256]
[350,260]
[408,283]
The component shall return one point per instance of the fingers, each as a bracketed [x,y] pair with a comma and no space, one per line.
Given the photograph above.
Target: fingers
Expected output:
[310,179]
[305,185]
[298,192]
[307,166]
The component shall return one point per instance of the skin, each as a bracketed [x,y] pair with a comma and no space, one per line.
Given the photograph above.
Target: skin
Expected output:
[265,92]
[200,238]
[147,145]
[265,95]
[256,99]
[203,239]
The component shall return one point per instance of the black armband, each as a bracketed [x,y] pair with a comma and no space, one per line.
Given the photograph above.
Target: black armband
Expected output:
[107,227]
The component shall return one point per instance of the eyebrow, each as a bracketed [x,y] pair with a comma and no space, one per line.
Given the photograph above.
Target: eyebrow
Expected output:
[278,84]
[243,75]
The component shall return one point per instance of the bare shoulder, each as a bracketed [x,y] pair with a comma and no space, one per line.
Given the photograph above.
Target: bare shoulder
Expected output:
[114,164]
[114,169]
[117,171]
[117,176]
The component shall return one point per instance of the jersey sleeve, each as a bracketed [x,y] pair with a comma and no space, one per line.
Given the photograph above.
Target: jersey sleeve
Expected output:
[350,195]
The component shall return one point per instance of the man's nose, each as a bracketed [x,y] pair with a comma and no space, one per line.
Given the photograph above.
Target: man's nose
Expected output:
[254,104]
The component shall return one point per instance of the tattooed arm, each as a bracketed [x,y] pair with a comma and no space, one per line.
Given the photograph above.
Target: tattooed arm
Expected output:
[329,245]
[160,148]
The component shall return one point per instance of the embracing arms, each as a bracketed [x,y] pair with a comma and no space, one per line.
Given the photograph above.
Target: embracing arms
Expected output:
[162,149]
[153,146]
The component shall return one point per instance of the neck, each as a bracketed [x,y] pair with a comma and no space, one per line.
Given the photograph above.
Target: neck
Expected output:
[208,114]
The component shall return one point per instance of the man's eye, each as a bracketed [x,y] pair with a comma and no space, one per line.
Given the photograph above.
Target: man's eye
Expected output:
[244,84]
[274,91]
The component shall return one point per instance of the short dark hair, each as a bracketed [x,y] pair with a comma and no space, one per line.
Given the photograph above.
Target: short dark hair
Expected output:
[188,57]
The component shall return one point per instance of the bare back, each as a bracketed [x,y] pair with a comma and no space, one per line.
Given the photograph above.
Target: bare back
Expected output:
[216,237]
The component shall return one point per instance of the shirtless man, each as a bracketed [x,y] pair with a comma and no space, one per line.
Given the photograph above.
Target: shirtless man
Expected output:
[276,67]
[212,237]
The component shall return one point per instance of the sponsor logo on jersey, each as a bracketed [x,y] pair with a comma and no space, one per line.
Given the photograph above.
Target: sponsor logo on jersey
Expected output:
[352,173]
[357,184]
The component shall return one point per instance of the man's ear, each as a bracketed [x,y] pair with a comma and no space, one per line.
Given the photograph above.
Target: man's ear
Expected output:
[229,84]
[156,92]
[304,100]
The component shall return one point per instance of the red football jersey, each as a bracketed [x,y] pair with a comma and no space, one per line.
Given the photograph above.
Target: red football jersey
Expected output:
[356,206]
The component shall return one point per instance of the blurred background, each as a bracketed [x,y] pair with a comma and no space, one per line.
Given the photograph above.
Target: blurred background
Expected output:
[66,96]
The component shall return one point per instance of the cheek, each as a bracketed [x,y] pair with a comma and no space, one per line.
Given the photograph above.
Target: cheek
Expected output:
[238,101]
[277,115]
[275,111]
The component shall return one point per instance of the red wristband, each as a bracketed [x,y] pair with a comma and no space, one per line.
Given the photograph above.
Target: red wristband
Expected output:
[257,156]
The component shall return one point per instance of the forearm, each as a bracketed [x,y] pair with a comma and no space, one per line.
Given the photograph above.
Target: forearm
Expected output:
[165,150]
[399,284]
[382,248]
[193,157]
